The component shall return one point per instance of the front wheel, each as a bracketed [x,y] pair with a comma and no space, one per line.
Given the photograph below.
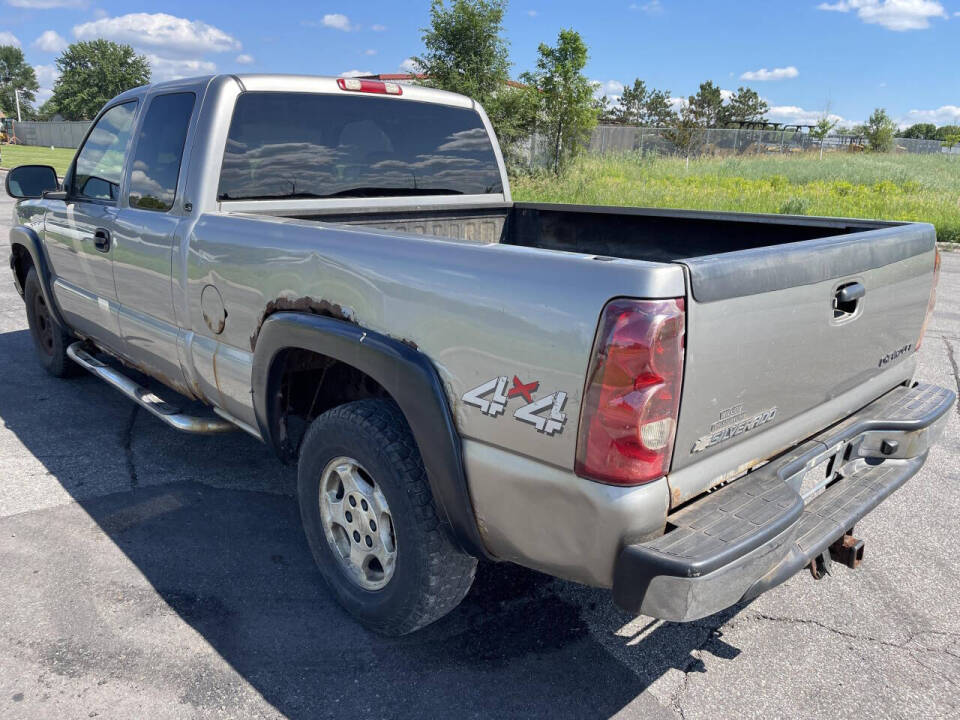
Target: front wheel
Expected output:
[49,339]
[370,520]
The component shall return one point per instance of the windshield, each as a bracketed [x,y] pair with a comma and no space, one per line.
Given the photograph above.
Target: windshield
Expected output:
[298,145]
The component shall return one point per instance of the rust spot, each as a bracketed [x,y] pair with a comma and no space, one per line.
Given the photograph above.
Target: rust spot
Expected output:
[410,344]
[676,497]
[305,304]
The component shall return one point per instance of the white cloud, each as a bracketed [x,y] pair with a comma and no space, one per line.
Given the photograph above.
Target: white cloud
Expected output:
[370,52]
[653,7]
[725,95]
[794,115]
[897,15]
[47,4]
[163,68]
[610,88]
[944,115]
[244,59]
[8,38]
[378,28]
[50,41]
[356,73]
[46,75]
[763,75]
[532,13]
[159,32]
[409,66]
[338,21]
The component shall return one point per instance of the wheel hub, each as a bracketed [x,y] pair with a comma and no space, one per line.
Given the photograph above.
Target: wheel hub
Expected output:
[357,523]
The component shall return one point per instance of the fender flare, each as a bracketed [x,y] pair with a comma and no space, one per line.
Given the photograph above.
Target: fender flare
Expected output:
[406,374]
[26,238]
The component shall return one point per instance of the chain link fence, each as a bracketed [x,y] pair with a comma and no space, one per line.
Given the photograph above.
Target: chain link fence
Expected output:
[620,139]
[63,134]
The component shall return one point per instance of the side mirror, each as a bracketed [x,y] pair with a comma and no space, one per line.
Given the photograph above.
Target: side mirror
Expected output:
[31,181]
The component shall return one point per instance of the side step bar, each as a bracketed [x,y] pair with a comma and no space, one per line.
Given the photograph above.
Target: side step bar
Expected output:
[146,399]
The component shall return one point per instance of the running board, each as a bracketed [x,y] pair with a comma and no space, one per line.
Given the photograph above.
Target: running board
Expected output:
[146,399]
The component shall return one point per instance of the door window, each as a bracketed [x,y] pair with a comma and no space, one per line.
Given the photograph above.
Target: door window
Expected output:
[100,161]
[159,150]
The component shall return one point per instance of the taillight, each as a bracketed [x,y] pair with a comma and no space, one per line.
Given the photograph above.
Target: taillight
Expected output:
[369,86]
[933,296]
[629,415]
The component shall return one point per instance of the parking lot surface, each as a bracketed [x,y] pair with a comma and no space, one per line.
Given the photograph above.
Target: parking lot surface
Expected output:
[149,574]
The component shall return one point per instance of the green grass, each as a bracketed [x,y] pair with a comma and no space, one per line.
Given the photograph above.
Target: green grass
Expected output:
[13,155]
[889,187]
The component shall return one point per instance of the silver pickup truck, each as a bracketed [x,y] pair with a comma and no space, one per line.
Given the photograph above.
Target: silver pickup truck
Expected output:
[685,407]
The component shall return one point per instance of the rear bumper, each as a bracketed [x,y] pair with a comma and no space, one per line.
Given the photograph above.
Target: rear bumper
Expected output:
[753,534]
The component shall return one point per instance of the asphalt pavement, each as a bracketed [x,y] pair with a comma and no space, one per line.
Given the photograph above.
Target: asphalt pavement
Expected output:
[145,573]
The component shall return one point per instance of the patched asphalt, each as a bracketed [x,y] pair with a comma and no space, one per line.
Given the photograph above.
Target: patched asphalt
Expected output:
[149,574]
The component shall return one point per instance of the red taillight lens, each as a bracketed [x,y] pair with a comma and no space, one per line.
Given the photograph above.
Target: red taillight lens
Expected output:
[933,297]
[629,416]
[369,86]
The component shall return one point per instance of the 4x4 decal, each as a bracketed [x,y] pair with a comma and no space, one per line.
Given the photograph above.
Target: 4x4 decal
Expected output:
[492,398]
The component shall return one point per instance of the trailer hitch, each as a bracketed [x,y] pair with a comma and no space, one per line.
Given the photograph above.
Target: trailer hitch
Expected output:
[848,551]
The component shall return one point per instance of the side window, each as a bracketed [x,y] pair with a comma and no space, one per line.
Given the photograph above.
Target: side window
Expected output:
[159,150]
[100,162]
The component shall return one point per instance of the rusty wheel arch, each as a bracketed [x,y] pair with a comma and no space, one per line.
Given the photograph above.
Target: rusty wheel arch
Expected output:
[382,367]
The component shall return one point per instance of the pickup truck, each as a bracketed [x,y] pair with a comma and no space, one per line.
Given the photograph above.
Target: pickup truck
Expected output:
[685,407]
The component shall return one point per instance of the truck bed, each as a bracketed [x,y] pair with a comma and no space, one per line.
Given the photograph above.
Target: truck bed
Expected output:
[630,233]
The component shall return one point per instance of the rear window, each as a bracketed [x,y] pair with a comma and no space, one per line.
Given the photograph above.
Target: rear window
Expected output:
[297,145]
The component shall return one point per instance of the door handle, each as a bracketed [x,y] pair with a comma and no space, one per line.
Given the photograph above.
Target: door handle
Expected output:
[101,240]
[851,292]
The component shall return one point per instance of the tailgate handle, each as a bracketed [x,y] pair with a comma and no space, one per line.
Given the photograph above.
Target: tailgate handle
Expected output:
[851,293]
[846,300]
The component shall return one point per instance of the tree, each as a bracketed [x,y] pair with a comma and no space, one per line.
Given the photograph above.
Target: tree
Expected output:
[464,52]
[946,131]
[880,130]
[631,107]
[606,113]
[640,106]
[91,73]
[565,95]
[659,111]
[706,109]
[822,128]
[21,77]
[747,106]
[920,131]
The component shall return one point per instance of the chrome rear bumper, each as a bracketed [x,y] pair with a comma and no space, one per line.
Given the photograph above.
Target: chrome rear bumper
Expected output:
[753,534]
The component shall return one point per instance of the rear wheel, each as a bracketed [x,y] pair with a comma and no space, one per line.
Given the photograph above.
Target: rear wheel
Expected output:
[49,338]
[370,520]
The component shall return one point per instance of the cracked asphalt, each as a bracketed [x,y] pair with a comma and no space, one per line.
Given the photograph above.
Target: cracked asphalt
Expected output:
[149,574]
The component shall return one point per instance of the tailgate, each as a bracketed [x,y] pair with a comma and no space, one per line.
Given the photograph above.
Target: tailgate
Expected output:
[785,340]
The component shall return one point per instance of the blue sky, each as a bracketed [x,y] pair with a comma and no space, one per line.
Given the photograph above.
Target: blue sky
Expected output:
[801,55]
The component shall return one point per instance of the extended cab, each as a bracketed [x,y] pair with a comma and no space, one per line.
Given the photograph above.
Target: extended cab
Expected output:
[686,407]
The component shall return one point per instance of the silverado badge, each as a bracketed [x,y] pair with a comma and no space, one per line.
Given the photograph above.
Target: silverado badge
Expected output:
[730,425]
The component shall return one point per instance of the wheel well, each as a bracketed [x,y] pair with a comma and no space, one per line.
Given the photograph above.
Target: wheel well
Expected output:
[22,262]
[307,385]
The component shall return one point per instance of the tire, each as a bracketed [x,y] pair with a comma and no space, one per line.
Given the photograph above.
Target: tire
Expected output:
[49,338]
[426,576]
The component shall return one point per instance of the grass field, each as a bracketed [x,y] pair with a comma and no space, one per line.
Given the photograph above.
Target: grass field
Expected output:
[13,155]
[889,187]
